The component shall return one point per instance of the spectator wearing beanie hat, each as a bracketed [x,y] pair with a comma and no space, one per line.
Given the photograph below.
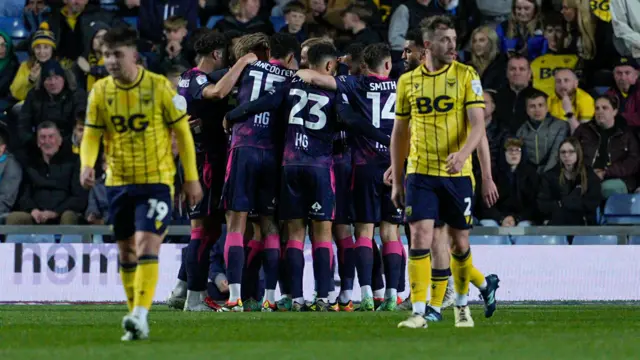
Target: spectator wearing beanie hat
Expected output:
[55,99]
[43,46]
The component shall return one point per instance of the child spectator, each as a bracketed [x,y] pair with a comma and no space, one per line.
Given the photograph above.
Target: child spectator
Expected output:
[43,45]
[570,192]
[355,19]
[93,64]
[522,33]
[517,186]
[295,15]
[8,69]
[172,52]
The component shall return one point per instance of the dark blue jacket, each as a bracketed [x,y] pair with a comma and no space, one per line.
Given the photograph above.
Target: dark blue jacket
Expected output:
[153,13]
[536,44]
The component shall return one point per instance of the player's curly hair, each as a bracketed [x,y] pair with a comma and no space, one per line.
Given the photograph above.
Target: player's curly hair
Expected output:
[321,52]
[120,36]
[283,44]
[210,42]
[374,55]
[258,42]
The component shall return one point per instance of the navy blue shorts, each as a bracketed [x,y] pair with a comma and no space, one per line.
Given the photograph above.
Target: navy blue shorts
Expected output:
[372,198]
[344,199]
[139,207]
[442,199]
[307,192]
[251,181]
[211,171]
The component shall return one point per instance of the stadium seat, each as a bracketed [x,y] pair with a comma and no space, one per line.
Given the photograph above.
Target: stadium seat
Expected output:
[634,240]
[489,240]
[22,56]
[71,239]
[540,240]
[30,239]
[131,21]
[600,90]
[14,27]
[214,20]
[278,22]
[622,210]
[595,240]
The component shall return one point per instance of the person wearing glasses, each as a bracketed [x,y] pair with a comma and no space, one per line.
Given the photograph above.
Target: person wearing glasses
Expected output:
[517,184]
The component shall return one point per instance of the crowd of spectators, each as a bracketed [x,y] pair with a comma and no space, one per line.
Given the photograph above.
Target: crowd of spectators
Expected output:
[560,78]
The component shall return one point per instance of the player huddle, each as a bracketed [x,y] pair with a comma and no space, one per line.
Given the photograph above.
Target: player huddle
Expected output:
[308,153]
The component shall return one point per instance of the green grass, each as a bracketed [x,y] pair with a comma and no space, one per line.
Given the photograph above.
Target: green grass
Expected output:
[517,332]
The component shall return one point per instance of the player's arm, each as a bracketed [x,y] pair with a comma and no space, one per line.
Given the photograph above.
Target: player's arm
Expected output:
[358,124]
[175,116]
[400,141]
[265,103]
[489,189]
[315,78]
[223,87]
[474,104]
[90,146]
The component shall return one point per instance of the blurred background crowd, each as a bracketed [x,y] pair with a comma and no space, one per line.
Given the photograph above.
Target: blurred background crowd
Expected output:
[560,80]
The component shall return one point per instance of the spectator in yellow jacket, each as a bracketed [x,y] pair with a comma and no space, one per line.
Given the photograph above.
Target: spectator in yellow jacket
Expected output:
[43,45]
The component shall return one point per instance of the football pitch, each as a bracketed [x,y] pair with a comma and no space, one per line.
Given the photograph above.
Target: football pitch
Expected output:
[515,332]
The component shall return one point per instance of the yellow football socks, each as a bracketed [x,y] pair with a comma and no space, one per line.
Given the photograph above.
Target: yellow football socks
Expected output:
[461,266]
[146,281]
[128,276]
[477,278]
[439,280]
[419,269]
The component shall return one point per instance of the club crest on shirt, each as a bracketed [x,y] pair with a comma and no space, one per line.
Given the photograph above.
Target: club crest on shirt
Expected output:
[476,86]
[451,82]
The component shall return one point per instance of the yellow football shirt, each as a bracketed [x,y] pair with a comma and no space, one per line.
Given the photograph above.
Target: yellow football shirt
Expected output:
[136,120]
[544,69]
[584,106]
[435,105]
[601,9]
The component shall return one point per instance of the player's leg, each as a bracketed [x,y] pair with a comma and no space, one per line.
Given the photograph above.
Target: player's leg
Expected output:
[284,278]
[152,216]
[296,229]
[377,277]
[421,211]
[122,214]
[366,214]
[178,296]
[342,234]
[253,263]
[392,248]
[346,264]
[236,200]
[456,212]
[293,211]
[440,273]
[197,264]
[267,200]
[320,206]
